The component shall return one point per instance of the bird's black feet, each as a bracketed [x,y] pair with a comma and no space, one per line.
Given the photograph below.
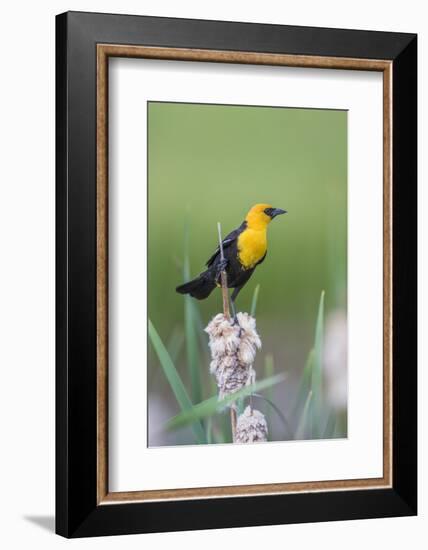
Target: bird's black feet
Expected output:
[221,266]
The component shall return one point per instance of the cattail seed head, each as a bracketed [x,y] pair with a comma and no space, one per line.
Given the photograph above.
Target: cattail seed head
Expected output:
[251,427]
[233,348]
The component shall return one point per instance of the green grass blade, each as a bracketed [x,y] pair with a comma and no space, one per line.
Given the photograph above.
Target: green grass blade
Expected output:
[240,405]
[209,430]
[254,301]
[218,435]
[224,429]
[316,380]
[318,347]
[191,331]
[330,426]
[174,379]
[213,405]
[304,427]
[202,336]
[175,344]
[340,427]
[305,383]
[192,349]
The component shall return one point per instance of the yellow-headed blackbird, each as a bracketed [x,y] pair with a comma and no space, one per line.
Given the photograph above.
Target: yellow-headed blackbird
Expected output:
[244,248]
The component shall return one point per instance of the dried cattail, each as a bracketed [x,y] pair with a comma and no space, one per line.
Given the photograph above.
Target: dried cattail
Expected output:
[251,427]
[233,349]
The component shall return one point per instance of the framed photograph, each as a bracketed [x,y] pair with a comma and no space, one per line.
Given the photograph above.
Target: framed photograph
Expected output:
[236,274]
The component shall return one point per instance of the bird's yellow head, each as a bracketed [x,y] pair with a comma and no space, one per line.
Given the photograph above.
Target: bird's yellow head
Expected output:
[260,215]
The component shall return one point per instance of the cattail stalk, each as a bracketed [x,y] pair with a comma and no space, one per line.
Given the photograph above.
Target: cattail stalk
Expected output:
[226,313]
[233,348]
[223,277]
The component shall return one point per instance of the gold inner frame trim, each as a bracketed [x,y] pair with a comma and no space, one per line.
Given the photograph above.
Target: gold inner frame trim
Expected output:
[104,51]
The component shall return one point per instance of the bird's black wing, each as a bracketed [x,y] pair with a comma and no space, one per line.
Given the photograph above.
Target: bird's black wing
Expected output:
[227,241]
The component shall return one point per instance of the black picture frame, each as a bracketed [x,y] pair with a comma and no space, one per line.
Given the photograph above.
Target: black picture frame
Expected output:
[77,511]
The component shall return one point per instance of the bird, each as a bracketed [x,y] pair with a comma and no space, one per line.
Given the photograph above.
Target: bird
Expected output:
[244,249]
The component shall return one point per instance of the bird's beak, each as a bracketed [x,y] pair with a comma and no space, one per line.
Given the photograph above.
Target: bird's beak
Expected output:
[277,212]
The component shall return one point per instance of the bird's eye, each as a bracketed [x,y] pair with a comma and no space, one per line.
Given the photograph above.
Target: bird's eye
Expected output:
[268,211]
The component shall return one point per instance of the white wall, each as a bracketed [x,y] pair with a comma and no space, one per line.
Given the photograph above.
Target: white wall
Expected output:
[27,271]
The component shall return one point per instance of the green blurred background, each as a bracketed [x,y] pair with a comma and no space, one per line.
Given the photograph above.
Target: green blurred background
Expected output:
[210,163]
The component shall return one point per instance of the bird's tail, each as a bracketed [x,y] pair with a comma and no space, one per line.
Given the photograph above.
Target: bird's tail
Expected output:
[199,288]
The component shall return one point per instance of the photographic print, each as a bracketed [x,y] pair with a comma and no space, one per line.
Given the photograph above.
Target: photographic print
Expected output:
[247,274]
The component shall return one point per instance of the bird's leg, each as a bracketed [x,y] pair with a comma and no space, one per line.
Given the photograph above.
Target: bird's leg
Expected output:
[232,305]
[235,293]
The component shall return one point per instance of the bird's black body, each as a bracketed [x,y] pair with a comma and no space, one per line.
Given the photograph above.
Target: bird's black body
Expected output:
[243,250]
[201,287]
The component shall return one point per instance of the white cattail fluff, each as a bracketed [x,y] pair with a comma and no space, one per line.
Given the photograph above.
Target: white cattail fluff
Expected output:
[233,349]
[251,427]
